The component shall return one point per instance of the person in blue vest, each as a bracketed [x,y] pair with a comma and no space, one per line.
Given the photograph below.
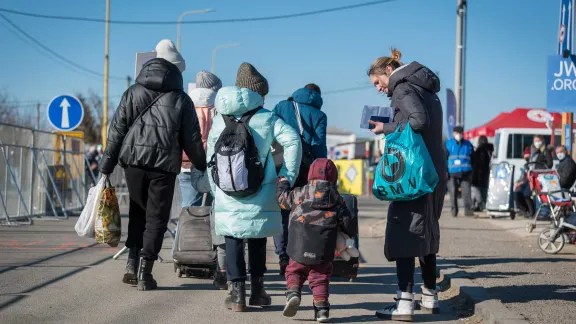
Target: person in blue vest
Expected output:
[306,103]
[459,153]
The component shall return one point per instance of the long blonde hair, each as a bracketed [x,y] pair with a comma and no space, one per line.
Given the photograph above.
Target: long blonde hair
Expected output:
[379,65]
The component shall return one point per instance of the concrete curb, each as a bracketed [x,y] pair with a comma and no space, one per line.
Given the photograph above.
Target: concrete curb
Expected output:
[491,311]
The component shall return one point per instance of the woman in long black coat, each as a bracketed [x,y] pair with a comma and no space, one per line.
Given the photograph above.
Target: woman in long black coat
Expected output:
[412,228]
[481,172]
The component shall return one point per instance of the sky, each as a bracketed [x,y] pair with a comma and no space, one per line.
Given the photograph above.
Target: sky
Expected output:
[507,48]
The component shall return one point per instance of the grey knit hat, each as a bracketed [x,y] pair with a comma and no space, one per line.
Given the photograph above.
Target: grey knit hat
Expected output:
[248,77]
[207,80]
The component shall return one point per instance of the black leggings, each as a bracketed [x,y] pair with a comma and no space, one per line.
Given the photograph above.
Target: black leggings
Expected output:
[525,204]
[405,272]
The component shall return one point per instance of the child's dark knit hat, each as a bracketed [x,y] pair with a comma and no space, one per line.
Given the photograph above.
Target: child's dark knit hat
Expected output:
[323,169]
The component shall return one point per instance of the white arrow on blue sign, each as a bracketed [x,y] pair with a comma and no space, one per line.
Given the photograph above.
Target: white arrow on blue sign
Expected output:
[566,27]
[65,112]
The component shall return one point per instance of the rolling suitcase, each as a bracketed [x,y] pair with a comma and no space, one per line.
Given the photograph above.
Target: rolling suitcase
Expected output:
[342,268]
[193,251]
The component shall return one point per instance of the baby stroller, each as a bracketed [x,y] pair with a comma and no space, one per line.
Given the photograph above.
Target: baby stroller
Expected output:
[545,184]
[552,240]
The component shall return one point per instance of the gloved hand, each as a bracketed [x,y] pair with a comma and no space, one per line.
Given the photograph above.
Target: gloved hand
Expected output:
[200,180]
[345,246]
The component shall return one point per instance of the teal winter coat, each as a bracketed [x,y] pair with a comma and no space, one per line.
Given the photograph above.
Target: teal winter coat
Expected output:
[256,216]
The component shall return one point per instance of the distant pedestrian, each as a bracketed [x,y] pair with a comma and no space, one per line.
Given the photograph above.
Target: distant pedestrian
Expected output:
[540,155]
[92,169]
[460,163]
[481,159]
[522,192]
[317,213]
[203,97]
[257,216]
[302,112]
[412,89]
[154,122]
[566,168]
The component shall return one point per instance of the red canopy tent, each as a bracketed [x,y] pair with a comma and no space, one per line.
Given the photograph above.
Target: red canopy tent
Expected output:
[518,118]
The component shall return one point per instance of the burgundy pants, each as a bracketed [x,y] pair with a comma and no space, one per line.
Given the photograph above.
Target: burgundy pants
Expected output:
[318,278]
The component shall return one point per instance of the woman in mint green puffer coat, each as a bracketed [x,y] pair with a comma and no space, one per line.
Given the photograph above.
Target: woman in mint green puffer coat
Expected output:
[256,216]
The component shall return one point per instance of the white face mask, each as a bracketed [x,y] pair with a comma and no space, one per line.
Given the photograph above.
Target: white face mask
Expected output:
[561,156]
[537,144]
[458,137]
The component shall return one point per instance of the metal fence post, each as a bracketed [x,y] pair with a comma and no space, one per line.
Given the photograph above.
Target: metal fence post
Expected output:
[67,169]
[5,208]
[15,180]
[35,161]
[20,170]
[32,175]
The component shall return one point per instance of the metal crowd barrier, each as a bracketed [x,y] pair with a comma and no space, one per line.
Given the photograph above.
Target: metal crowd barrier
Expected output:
[41,182]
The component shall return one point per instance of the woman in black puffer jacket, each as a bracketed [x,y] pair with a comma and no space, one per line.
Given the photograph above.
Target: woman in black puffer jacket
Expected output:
[153,124]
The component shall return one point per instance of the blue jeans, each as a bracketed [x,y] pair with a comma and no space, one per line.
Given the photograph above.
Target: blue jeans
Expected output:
[190,196]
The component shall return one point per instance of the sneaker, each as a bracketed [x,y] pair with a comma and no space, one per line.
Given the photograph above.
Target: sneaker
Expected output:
[322,311]
[429,302]
[293,298]
[402,310]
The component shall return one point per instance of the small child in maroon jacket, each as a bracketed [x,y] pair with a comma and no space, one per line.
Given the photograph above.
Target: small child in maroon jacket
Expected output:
[317,212]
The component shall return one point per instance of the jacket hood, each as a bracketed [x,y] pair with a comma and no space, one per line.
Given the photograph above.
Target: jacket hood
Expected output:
[323,194]
[416,74]
[237,101]
[160,75]
[203,97]
[308,97]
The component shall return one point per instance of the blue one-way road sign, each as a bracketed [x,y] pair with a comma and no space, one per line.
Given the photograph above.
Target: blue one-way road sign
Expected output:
[65,112]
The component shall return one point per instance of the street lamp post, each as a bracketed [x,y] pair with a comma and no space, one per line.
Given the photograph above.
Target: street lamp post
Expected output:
[191,12]
[106,65]
[216,49]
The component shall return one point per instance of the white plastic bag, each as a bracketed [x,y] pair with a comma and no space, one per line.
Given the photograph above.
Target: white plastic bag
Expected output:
[85,224]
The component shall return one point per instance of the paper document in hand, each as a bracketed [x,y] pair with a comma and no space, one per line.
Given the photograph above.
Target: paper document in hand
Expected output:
[376,113]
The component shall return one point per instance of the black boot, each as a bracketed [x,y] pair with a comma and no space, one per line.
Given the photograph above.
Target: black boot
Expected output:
[322,311]
[258,296]
[131,275]
[237,299]
[293,298]
[145,279]
[220,280]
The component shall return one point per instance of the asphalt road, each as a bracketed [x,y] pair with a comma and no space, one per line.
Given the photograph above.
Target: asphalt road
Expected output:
[499,255]
[50,275]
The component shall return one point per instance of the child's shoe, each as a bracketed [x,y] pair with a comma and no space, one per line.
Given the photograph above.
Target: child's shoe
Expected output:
[322,311]
[293,298]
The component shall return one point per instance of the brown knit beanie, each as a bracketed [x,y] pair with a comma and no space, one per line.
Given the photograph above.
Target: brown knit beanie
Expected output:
[248,77]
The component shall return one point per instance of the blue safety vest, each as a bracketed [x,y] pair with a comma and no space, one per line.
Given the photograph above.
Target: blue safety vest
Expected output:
[459,156]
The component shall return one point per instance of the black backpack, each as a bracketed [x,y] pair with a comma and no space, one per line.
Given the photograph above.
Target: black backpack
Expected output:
[236,166]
